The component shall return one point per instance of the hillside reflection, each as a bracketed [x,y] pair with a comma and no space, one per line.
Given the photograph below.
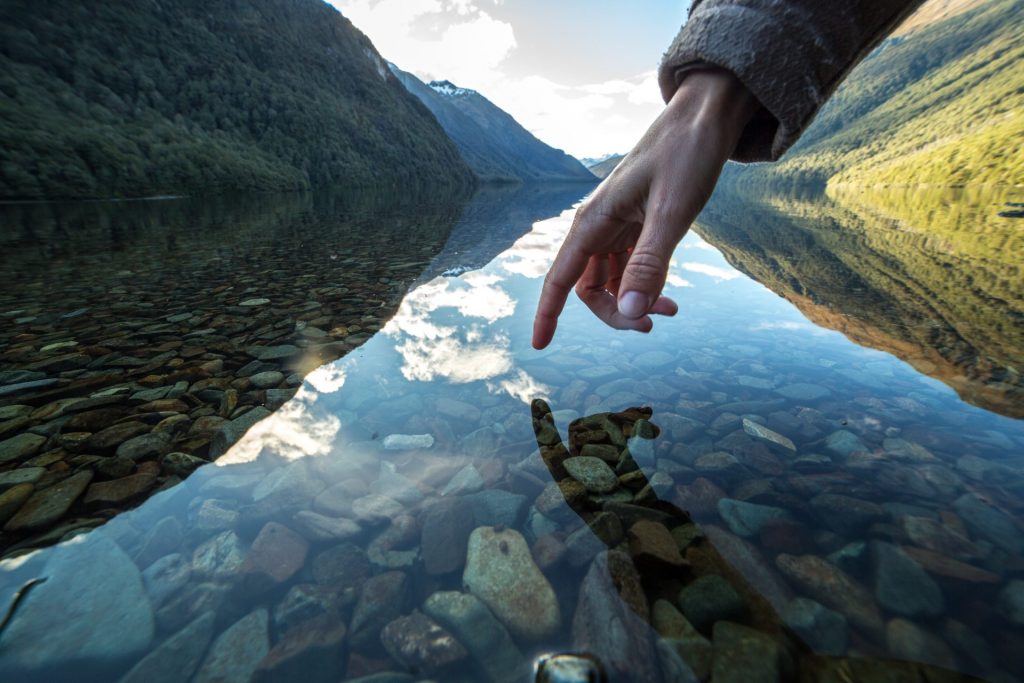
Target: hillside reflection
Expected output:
[931,276]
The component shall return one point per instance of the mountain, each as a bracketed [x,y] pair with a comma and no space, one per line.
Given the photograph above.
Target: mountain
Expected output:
[129,98]
[494,145]
[940,104]
[929,275]
[604,166]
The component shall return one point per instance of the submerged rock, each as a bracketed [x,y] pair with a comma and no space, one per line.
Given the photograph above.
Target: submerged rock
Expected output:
[91,611]
[486,639]
[501,572]
[901,586]
[421,644]
[177,657]
[745,655]
[237,652]
[822,629]
[832,587]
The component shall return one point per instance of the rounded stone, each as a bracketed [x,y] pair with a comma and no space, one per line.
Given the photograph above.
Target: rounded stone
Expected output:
[594,473]
[267,380]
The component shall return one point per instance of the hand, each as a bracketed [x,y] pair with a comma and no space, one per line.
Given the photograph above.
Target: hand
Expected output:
[618,249]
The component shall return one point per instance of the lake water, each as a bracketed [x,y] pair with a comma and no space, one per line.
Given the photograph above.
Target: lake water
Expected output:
[813,472]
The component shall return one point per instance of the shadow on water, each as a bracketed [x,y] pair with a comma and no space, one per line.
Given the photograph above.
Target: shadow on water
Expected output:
[449,503]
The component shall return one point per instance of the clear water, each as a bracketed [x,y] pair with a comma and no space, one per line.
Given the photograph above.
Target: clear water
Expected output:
[825,478]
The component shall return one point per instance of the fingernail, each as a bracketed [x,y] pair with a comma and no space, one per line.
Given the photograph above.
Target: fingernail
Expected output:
[633,304]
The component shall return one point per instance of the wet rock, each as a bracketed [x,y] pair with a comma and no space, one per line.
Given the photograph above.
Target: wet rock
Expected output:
[745,655]
[219,557]
[851,558]
[381,601]
[486,639]
[421,644]
[237,651]
[165,577]
[20,447]
[344,567]
[447,525]
[907,640]
[119,491]
[47,506]
[276,555]
[194,600]
[13,498]
[699,498]
[177,658]
[180,464]
[312,651]
[396,546]
[22,475]
[593,473]
[760,431]
[303,602]
[689,644]
[501,572]
[832,587]
[719,465]
[113,436]
[709,599]
[144,447]
[947,567]
[495,507]
[845,515]
[653,549]
[114,467]
[163,538]
[466,480]
[968,643]
[611,618]
[822,629]
[230,433]
[932,535]
[319,527]
[457,409]
[91,609]
[987,522]
[375,509]
[582,546]
[407,442]
[843,443]
[747,519]
[269,353]
[267,380]
[1011,601]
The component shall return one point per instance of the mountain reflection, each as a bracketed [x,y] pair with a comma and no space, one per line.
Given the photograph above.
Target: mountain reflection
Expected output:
[930,276]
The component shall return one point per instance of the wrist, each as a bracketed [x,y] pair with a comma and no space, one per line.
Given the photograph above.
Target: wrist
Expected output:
[713,98]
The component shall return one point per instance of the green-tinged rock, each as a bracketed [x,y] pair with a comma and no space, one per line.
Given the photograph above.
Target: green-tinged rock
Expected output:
[709,599]
[745,655]
[486,639]
[47,506]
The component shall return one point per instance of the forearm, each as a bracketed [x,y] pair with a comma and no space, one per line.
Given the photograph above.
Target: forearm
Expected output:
[790,56]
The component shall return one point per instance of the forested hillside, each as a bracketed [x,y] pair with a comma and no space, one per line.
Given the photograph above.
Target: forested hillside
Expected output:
[127,98]
[940,105]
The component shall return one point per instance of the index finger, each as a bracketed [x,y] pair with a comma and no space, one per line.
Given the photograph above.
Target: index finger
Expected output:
[566,269]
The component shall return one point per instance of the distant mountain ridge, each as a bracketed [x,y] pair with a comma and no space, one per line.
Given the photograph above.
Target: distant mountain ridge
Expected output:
[603,167]
[941,104]
[494,144]
[132,99]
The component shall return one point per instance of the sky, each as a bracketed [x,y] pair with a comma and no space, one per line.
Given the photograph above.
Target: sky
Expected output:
[578,74]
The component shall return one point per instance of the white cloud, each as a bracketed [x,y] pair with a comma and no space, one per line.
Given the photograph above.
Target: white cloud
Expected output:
[716,272]
[460,41]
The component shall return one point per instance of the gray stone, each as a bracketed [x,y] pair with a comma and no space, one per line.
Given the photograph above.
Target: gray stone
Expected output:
[47,506]
[381,601]
[375,509]
[317,527]
[407,442]
[190,603]
[745,655]
[163,538]
[760,431]
[11,500]
[181,464]
[466,480]
[822,629]
[834,588]
[235,655]
[267,380]
[907,640]
[843,443]
[457,409]
[496,507]
[677,631]
[501,572]
[219,557]
[851,558]
[230,433]
[176,659]
[487,641]
[610,619]
[344,568]
[92,609]
[987,522]
[20,447]
[268,353]
[1011,601]
[593,473]
[447,525]
[303,602]
[846,515]
[165,577]
[747,519]
[709,599]
[145,447]
[421,644]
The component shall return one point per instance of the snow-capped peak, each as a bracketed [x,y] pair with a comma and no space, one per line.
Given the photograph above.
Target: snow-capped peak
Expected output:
[450,89]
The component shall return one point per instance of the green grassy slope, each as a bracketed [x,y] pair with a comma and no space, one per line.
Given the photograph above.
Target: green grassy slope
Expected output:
[942,105]
[123,98]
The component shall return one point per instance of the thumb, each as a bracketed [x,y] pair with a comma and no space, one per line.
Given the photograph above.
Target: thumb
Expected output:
[647,269]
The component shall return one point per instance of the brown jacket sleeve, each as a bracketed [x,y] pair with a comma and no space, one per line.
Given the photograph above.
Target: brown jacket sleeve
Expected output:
[790,55]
